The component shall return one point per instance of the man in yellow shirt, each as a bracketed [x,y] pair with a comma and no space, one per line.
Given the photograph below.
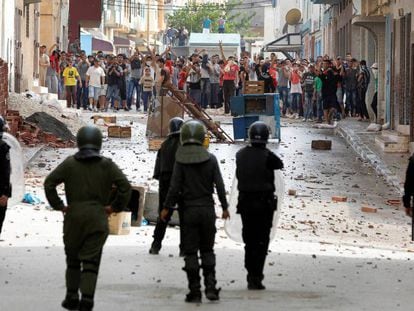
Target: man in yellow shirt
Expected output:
[70,75]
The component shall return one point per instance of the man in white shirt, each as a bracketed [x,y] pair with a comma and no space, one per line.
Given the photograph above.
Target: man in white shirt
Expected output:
[95,80]
[44,63]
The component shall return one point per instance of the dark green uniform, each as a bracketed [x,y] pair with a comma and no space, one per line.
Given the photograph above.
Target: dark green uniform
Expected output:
[196,173]
[409,184]
[255,167]
[88,180]
[5,171]
[164,166]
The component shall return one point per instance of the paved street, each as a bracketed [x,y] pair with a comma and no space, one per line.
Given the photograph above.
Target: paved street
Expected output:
[326,256]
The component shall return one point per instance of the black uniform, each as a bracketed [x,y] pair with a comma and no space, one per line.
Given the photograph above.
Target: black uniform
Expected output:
[194,177]
[164,166]
[409,184]
[255,167]
[5,171]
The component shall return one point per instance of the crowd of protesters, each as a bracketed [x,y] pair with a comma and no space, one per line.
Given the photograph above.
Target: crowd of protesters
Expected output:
[320,90]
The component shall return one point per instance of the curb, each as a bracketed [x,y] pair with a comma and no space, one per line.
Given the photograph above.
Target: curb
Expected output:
[369,156]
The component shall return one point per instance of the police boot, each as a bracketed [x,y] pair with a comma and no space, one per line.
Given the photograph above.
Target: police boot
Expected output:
[212,293]
[86,305]
[155,248]
[71,302]
[254,282]
[194,295]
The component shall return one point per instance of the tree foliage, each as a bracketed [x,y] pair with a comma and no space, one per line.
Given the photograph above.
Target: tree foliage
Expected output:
[192,16]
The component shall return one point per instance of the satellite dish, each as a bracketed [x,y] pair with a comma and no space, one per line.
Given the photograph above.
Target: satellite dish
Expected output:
[293,17]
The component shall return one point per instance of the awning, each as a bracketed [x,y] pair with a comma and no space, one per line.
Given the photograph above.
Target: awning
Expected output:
[124,42]
[291,42]
[102,45]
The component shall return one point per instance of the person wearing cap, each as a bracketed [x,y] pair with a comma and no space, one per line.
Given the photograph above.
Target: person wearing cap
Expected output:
[195,175]
[88,178]
[5,171]
[255,165]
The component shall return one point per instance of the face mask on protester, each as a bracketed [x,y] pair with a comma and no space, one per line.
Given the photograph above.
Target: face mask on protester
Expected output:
[148,63]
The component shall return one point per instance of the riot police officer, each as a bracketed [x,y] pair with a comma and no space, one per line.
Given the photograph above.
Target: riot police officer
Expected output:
[255,165]
[163,170]
[5,187]
[88,178]
[196,172]
[409,188]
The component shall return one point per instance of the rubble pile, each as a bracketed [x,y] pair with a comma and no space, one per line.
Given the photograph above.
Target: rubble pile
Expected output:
[29,103]
[40,128]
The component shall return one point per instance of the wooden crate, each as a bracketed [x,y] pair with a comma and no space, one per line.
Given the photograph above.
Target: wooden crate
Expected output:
[254,87]
[117,131]
[321,144]
[154,144]
[114,131]
[126,132]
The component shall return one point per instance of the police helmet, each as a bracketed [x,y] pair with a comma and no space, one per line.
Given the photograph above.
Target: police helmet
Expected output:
[192,132]
[89,137]
[175,125]
[258,132]
[3,125]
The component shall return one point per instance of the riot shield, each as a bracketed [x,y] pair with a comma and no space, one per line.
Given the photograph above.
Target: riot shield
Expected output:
[233,226]
[17,169]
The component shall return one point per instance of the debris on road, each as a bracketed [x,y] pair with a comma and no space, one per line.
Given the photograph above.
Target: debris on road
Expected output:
[368,209]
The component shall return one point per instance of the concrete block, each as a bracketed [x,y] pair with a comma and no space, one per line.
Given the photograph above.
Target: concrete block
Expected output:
[322,144]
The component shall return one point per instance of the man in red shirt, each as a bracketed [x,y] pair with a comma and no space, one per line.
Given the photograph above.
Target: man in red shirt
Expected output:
[230,73]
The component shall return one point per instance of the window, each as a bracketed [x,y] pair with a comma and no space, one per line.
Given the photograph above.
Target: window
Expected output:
[27,15]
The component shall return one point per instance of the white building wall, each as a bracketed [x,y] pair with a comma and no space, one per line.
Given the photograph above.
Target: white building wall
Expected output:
[7,8]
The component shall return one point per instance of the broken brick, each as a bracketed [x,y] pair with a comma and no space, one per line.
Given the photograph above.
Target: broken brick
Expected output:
[339,199]
[368,209]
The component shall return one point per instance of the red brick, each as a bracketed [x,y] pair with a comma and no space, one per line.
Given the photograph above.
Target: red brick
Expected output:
[368,209]
[339,199]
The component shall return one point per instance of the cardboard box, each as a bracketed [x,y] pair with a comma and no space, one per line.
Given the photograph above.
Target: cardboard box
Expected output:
[120,223]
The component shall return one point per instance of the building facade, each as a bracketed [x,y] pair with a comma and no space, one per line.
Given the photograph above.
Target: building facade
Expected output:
[54,16]
[382,32]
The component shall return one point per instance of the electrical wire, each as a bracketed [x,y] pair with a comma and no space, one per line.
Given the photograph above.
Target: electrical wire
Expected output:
[167,7]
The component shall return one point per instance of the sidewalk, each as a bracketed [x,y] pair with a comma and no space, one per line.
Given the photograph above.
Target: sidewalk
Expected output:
[392,166]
